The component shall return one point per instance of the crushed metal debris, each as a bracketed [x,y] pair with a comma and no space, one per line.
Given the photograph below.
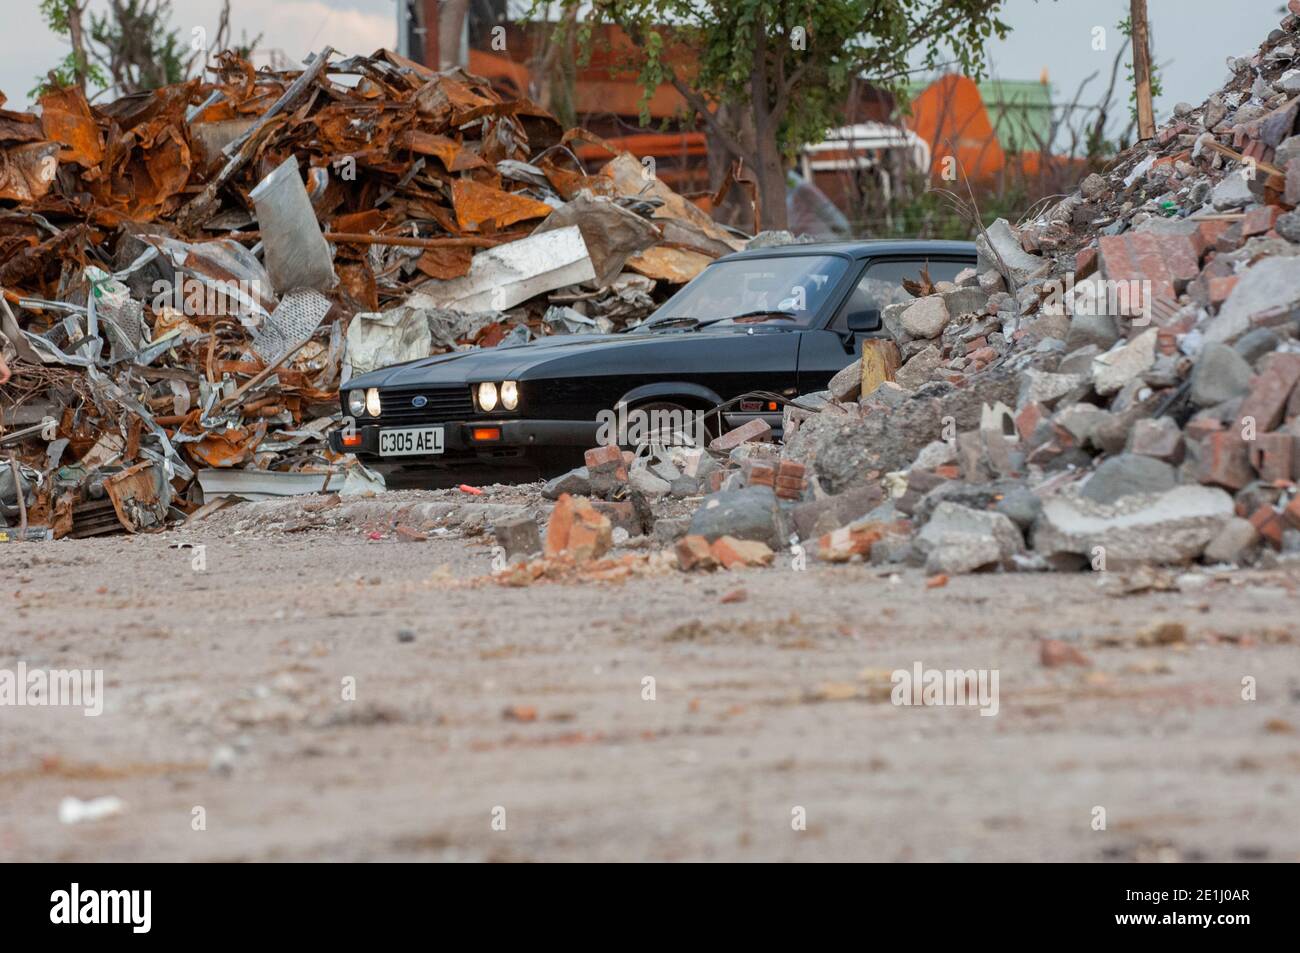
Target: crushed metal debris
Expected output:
[189,273]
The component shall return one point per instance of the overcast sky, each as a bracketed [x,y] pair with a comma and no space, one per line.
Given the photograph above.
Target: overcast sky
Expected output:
[1192,38]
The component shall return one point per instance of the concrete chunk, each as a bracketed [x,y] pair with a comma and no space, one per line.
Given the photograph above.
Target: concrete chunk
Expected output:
[1172,527]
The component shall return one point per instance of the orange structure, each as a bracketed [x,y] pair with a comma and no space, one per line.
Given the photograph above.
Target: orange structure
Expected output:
[950,115]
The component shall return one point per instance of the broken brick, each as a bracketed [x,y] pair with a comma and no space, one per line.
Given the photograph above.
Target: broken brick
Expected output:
[1218,289]
[1268,522]
[1271,454]
[1225,460]
[1027,421]
[732,552]
[693,552]
[578,529]
[1270,389]
[621,515]
[1168,261]
[757,429]
[598,456]
[1291,513]
[1085,262]
[856,540]
[1259,220]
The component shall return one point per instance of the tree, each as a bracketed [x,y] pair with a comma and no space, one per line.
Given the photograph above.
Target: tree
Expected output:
[132,41]
[767,76]
[64,18]
[132,45]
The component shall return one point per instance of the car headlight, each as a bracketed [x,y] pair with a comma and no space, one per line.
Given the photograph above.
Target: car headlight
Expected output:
[372,402]
[509,395]
[356,402]
[487,396]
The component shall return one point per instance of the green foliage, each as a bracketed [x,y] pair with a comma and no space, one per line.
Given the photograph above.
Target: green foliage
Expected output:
[56,14]
[792,60]
[157,53]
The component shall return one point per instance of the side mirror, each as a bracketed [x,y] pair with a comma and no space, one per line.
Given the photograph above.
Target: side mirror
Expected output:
[866,320]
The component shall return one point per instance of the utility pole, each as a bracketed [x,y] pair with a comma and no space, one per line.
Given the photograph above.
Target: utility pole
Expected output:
[1142,68]
[430,10]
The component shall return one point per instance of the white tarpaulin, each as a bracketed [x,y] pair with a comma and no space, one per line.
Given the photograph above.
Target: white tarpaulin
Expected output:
[379,340]
[507,275]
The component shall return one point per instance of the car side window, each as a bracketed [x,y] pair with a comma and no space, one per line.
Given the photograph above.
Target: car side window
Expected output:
[882,284]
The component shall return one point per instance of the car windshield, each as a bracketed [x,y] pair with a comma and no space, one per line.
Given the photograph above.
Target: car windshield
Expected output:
[788,291]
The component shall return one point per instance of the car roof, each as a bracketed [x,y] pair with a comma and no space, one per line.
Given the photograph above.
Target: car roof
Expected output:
[867,248]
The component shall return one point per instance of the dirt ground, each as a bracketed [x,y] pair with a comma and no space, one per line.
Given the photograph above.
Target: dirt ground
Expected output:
[479,706]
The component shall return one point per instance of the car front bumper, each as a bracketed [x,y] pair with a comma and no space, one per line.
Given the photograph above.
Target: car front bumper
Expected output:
[459,440]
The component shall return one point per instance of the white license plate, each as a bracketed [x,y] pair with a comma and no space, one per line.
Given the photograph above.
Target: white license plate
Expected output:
[410,441]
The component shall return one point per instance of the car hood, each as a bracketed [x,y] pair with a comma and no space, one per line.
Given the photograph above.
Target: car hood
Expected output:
[529,361]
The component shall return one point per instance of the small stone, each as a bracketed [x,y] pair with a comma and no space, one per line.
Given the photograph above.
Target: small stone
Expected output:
[919,369]
[1085,329]
[1220,374]
[926,318]
[1002,238]
[1117,367]
[1288,226]
[957,553]
[1233,192]
[749,513]
[1157,437]
[1093,187]
[847,384]
[668,531]
[1255,344]
[1233,544]
[1126,475]
[575,482]
[953,519]
[517,536]
[1021,505]
[649,485]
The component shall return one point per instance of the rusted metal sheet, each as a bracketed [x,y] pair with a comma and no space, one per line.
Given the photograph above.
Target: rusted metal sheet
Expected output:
[66,119]
[137,497]
[674,265]
[479,206]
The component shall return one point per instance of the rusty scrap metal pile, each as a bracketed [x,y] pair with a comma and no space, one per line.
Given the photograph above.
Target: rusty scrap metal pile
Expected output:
[189,273]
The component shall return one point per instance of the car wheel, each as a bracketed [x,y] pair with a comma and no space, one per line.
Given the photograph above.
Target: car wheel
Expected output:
[683,413]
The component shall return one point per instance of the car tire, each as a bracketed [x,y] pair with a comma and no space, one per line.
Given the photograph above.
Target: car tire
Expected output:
[711,428]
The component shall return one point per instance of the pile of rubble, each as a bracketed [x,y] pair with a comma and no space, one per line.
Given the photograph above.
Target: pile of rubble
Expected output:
[188,274]
[1115,384]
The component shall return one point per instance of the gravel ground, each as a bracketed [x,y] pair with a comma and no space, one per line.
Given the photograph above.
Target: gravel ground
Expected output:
[478,706]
